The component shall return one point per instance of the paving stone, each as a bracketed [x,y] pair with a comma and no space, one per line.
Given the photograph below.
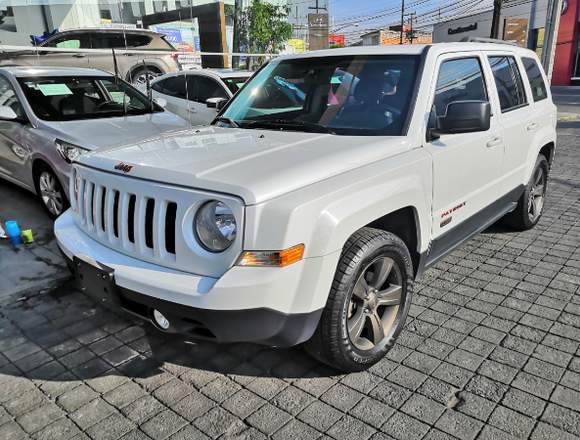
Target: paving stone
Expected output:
[566,397]
[292,400]
[124,394]
[142,409]
[194,405]
[111,428]
[189,432]
[423,409]
[243,403]
[350,428]
[511,422]
[217,422]
[404,427]
[296,430]
[391,394]
[543,431]
[38,418]
[533,385]
[163,425]
[11,431]
[372,412]
[62,429]
[320,416]
[459,425]
[91,413]
[523,402]
[475,406]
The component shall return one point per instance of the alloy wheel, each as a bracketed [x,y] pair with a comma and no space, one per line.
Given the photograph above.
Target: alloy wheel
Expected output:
[141,78]
[537,195]
[50,193]
[374,304]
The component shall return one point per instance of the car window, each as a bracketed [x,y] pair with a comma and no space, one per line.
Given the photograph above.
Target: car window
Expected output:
[172,86]
[459,80]
[8,97]
[234,84]
[508,81]
[83,97]
[535,78]
[70,41]
[208,88]
[360,95]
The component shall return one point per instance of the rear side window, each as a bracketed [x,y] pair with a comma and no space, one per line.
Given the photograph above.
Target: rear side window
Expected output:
[535,78]
[508,81]
[459,80]
[172,86]
[208,88]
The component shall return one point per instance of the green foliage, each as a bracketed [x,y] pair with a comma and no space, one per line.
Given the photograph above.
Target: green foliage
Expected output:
[262,27]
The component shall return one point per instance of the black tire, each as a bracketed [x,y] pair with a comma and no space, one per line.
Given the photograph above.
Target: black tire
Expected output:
[331,342]
[521,218]
[44,174]
[137,78]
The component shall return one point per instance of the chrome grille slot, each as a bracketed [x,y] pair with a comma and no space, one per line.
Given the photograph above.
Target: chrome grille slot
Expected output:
[149,221]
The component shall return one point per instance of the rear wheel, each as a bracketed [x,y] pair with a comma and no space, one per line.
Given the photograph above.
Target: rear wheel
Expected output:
[531,204]
[140,76]
[50,192]
[368,302]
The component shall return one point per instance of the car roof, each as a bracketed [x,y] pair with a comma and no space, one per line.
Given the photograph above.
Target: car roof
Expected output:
[411,49]
[214,73]
[109,29]
[230,73]
[33,71]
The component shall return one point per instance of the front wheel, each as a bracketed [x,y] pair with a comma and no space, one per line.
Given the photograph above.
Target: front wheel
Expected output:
[50,192]
[531,204]
[368,302]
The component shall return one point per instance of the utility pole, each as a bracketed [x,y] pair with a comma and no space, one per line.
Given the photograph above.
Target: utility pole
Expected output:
[402,20]
[495,20]
[551,36]
[411,34]
[236,43]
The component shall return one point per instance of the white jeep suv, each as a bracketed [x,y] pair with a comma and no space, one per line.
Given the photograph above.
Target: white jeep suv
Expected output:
[328,184]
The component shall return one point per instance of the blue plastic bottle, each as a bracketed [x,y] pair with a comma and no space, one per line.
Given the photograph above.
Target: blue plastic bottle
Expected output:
[13,232]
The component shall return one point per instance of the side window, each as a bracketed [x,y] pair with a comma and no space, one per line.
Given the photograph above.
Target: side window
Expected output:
[508,81]
[535,78]
[459,79]
[136,40]
[70,41]
[172,86]
[8,97]
[209,88]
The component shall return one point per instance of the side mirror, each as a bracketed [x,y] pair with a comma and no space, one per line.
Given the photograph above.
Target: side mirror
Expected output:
[161,102]
[217,103]
[464,117]
[7,114]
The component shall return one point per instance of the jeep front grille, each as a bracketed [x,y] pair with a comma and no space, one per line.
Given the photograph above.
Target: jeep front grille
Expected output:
[146,220]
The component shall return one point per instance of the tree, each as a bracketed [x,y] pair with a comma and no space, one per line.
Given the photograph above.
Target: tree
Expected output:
[262,27]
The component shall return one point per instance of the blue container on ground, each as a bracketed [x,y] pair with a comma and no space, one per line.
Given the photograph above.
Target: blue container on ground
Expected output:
[13,232]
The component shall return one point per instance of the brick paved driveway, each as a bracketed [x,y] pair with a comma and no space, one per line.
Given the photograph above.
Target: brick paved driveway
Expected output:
[491,351]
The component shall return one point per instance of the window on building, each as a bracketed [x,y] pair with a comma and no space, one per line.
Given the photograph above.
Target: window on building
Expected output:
[535,78]
[508,81]
[459,80]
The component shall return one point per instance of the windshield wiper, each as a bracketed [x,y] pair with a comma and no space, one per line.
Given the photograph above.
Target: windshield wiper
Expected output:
[289,124]
[229,121]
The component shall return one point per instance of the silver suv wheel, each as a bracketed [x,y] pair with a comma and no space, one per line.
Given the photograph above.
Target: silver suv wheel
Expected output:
[50,193]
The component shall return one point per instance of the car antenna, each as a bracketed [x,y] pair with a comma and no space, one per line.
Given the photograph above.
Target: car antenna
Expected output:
[148,86]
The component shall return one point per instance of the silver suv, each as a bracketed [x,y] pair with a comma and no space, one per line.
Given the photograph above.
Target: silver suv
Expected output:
[129,44]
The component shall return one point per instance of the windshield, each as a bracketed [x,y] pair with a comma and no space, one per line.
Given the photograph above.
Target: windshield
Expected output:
[83,97]
[234,84]
[344,95]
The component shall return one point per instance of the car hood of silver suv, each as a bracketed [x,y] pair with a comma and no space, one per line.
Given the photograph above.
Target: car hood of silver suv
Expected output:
[256,165]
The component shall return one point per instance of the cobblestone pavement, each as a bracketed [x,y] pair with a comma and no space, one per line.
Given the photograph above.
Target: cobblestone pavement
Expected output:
[490,351]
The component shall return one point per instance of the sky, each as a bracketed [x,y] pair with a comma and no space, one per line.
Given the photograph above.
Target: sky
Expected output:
[355,17]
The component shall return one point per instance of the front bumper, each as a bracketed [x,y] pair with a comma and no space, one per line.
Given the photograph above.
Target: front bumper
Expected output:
[271,306]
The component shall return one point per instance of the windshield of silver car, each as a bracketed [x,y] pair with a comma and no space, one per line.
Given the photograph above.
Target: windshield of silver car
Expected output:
[366,95]
[69,98]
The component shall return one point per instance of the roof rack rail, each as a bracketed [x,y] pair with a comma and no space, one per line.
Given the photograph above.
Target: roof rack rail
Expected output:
[486,40]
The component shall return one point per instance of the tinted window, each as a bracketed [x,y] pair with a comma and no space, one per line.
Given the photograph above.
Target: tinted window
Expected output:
[83,97]
[208,88]
[172,86]
[366,95]
[535,78]
[234,84]
[508,81]
[459,80]
[69,41]
[8,97]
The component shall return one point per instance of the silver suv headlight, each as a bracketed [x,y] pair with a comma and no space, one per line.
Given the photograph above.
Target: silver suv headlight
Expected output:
[68,151]
[215,226]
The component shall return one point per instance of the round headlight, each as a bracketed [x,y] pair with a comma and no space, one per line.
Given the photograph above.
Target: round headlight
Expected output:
[215,226]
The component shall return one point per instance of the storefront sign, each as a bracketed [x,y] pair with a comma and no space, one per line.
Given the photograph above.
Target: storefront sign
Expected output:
[461,29]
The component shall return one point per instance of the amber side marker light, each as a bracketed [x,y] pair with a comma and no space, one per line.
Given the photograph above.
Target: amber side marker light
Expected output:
[272,258]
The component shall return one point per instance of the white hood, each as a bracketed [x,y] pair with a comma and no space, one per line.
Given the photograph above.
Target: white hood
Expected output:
[255,165]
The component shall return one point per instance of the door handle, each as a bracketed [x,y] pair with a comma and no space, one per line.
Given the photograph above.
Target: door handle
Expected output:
[494,142]
[79,55]
[531,126]
[191,110]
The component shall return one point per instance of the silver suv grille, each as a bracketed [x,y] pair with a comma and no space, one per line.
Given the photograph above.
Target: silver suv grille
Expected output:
[147,220]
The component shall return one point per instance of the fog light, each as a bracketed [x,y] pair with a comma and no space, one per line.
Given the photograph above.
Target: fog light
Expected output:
[160,320]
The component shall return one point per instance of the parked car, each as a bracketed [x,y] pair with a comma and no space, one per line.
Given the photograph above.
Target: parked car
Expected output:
[49,116]
[196,95]
[307,218]
[133,67]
